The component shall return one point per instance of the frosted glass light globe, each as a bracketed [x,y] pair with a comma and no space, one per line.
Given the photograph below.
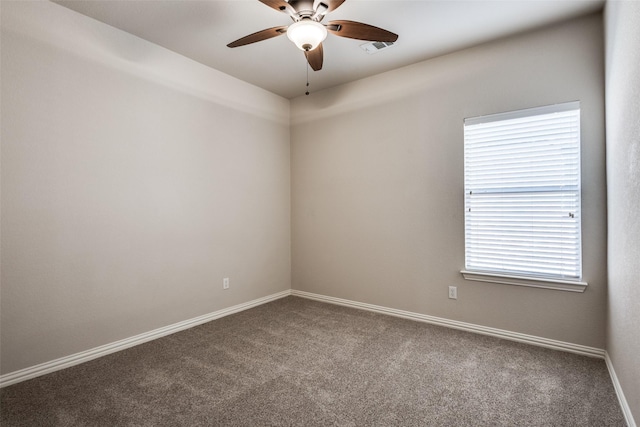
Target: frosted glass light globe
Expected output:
[307,34]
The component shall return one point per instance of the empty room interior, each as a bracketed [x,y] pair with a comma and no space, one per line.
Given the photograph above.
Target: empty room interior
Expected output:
[278,233]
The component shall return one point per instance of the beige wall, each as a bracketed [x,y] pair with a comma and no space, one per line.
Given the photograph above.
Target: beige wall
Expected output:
[622,23]
[377,182]
[133,181]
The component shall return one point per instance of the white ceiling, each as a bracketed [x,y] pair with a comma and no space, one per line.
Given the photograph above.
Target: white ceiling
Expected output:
[200,30]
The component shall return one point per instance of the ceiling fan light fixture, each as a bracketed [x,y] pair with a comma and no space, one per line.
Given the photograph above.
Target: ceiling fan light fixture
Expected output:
[307,34]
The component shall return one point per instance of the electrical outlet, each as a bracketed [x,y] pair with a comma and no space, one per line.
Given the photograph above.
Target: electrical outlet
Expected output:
[225,283]
[453,292]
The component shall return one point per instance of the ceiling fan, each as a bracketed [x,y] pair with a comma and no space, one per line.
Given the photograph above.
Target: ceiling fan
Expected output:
[307,32]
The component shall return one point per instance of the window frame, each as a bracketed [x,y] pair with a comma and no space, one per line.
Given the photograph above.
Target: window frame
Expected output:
[556,282]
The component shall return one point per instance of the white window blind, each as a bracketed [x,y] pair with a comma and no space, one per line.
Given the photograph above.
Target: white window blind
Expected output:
[522,193]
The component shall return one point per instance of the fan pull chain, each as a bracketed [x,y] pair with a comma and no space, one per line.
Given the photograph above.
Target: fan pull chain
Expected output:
[307,92]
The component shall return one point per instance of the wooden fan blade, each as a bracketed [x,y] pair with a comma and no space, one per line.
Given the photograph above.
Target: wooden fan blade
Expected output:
[334,4]
[315,57]
[259,36]
[279,5]
[360,31]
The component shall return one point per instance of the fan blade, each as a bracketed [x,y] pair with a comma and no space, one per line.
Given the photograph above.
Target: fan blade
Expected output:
[314,57]
[259,36]
[279,5]
[360,31]
[334,4]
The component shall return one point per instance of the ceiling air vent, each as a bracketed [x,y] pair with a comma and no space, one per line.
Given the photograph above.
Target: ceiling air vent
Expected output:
[375,47]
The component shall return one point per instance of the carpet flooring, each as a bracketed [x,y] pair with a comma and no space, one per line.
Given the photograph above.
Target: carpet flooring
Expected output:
[297,362]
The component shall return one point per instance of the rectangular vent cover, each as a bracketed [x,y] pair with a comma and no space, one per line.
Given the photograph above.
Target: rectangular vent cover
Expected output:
[375,47]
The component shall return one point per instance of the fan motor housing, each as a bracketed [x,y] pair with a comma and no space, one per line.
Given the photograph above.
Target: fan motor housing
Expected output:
[303,8]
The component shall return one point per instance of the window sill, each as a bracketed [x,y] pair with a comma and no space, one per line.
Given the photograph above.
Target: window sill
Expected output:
[556,284]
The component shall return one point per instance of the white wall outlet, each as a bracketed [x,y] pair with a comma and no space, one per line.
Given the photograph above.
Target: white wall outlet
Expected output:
[225,283]
[453,292]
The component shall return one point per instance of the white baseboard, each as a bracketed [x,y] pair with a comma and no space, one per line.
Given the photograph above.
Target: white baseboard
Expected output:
[469,327]
[626,410]
[94,353]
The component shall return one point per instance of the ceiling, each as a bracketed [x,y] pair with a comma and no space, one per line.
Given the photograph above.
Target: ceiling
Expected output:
[200,30]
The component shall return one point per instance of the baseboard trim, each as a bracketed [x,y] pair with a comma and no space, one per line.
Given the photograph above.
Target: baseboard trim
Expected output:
[469,327]
[94,353]
[85,356]
[624,405]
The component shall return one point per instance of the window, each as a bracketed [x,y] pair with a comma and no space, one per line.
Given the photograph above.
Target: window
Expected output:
[522,197]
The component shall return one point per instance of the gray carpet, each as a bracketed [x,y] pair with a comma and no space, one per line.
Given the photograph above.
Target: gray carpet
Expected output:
[296,362]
